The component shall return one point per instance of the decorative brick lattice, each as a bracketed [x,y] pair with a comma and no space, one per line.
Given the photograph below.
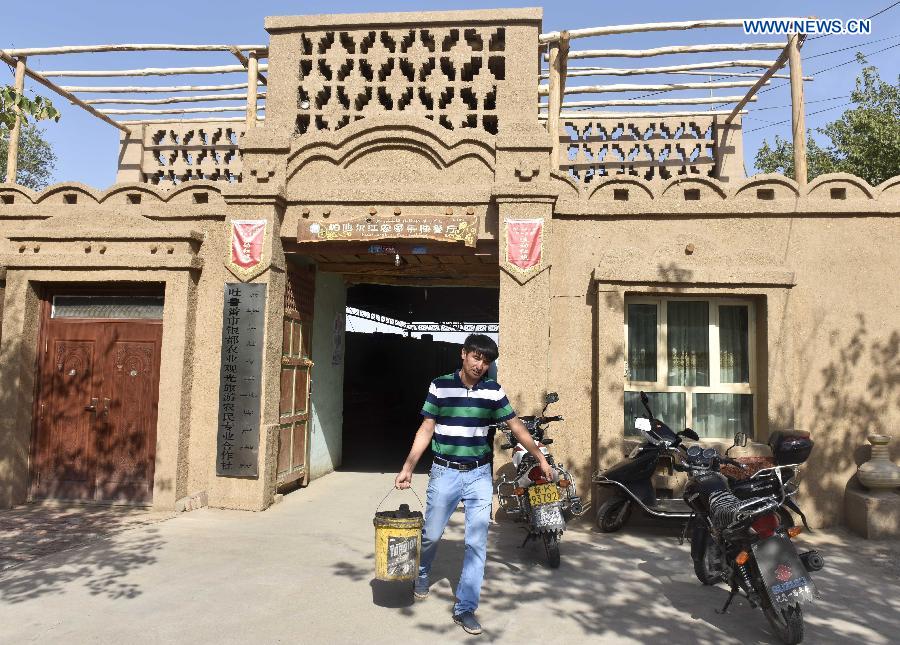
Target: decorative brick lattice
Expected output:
[174,153]
[449,75]
[642,148]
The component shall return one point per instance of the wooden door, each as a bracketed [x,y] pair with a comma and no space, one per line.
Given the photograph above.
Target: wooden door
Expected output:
[95,423]
[296,380]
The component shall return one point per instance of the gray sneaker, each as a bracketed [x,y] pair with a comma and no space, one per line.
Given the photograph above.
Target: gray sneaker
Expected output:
[420,588]
[467,621]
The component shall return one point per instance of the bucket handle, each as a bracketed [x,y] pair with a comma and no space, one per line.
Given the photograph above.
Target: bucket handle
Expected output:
[421,505]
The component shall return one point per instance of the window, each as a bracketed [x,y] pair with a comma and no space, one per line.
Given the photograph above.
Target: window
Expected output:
[694,359]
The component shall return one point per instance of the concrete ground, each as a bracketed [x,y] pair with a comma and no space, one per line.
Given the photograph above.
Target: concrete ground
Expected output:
[302,572]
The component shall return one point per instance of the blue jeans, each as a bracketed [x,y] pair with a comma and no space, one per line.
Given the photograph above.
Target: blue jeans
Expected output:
[446,488]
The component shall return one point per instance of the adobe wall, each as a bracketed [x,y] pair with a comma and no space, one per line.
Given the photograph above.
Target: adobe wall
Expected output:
[135,233]
[819,266]
[327,398]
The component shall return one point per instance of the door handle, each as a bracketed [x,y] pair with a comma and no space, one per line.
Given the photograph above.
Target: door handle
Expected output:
[106,407]
[92,406]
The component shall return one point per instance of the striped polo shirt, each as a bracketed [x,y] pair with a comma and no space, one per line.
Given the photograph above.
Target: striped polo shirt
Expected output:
[462,416]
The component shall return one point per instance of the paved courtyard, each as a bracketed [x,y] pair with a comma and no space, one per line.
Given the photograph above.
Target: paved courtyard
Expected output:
[303,572]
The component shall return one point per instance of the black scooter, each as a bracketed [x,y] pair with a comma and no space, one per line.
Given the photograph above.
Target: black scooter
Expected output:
[632,478]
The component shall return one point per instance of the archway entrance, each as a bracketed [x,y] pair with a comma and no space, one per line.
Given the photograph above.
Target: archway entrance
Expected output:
[399,339]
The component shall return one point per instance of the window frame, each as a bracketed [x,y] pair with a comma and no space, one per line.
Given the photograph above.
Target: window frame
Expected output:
[662,355]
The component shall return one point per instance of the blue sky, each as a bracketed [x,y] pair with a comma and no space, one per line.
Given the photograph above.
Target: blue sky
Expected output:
[87,148]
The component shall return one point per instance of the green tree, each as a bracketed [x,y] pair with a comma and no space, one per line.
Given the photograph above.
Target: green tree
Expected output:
[37,108]
[36,157]
[865,140]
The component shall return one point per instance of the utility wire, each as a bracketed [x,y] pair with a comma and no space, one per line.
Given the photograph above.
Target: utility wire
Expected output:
[773,123]
[877,13]
[778,107]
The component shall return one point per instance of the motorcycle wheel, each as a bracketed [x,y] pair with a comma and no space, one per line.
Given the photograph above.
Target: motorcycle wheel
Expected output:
[787,623]
[551,546]
[708,567]
[611,516]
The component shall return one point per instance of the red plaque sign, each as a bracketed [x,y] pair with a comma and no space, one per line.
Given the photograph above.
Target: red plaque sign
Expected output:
[247,238]
[524,243]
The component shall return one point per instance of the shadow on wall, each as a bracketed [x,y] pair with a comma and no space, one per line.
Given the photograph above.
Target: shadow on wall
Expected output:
[859,395]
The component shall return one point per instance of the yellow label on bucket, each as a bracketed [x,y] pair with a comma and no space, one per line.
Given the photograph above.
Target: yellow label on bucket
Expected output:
[398,544]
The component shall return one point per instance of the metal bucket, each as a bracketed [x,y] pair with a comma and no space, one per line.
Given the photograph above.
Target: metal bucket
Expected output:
[398,543]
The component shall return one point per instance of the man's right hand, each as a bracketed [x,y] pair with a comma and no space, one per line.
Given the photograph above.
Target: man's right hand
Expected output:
[403,480]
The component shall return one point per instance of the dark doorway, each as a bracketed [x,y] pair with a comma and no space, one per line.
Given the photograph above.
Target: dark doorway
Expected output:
[386,375]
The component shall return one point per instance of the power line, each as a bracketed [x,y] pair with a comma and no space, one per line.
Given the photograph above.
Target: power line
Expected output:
[843,49]
[877,13]
[773,123]
[828,69]
[778,107]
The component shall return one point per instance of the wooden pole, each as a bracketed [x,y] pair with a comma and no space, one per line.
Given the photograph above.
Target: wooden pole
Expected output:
[246,62]
[644,27]
[86,49]
[751,93]
[559,50]
[252,73]
[639,87]
[798,112]
[211,120]
[173,99]
[150,71]
[150,89]
[585,114]
[705,100]
[199,110]
[675,49]
[56,88]
[665,69]
[12,157]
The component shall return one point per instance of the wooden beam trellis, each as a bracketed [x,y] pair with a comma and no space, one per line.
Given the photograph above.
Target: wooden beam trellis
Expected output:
[152,89]
[674,49]
[212,120]
[56,88]
[237,108]
[645,27]
[90,49]
[778,64]
[149,71]
[643,87]
[706,100]
[173,99]
[587,114]
[246,63]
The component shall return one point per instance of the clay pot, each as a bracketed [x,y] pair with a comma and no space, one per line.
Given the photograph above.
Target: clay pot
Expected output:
[879,472]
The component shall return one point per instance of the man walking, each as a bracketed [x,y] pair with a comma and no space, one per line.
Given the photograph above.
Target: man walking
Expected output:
[457,412]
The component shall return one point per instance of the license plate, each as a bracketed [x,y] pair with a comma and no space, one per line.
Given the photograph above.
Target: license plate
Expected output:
[547,516]
[786,579]
[543,494]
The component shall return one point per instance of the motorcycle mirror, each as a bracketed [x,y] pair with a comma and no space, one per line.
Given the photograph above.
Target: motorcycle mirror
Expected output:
[740,439]
[690,434]
[646,401]
[551,397]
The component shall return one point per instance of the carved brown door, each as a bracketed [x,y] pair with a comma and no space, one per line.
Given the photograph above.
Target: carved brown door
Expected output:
[296,381]
[98,383]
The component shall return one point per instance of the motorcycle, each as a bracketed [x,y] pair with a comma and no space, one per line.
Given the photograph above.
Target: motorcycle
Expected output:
[632,478]
[741,537]
[545,505]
